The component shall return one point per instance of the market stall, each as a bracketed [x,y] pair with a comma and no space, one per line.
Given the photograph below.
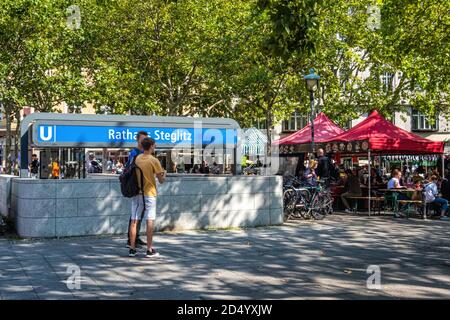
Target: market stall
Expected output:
[376,136]
[299,143]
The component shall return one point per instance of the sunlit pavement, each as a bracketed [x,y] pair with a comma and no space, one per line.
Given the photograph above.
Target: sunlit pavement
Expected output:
[300,260]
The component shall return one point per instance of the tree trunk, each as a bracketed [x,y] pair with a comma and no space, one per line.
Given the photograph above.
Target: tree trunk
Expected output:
[8,139]
[269,129]
[17,137]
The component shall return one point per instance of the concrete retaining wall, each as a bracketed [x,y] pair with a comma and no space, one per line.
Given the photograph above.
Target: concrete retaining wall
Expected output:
[58,208]
[5,194]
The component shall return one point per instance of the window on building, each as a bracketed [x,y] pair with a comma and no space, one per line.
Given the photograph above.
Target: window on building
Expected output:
[260,124]
[421,122]
[387,79]
[74,109]
[295,122]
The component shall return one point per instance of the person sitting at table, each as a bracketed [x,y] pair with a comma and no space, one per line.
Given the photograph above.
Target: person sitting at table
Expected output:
[310,173]
[394,183]
[417,178]
[445,187]
[431,192]
[352,188]
[420,170]
[418,185]
[374,177]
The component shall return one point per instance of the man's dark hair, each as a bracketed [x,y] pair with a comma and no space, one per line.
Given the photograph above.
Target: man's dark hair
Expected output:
[147,143]
[141,133]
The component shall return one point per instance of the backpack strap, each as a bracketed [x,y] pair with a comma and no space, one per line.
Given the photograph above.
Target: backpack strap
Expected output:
[142,191]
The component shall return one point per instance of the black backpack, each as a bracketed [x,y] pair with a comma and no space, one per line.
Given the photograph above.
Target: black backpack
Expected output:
[129,185]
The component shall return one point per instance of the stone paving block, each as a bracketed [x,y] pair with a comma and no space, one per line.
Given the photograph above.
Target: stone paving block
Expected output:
[55,296]
[304,259]
[15,287]
[28,295]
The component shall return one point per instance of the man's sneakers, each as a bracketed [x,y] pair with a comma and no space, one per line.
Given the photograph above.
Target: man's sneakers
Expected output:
[445,218]
[139,243]
[151,253]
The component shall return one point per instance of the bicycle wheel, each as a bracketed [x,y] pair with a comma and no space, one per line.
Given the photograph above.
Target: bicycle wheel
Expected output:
[303,204]
[319,207]
[329,203]
[289,203]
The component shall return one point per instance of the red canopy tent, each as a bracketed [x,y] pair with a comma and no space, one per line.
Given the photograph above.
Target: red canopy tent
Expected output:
[324,131]
[386,138]
[383,137]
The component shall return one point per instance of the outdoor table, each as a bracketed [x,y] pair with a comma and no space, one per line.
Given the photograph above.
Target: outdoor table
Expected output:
[408,191]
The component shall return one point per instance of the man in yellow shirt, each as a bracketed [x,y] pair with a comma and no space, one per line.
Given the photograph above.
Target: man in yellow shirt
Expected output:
[151,168]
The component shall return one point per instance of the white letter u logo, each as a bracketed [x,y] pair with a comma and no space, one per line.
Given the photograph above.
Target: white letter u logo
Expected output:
[49,135]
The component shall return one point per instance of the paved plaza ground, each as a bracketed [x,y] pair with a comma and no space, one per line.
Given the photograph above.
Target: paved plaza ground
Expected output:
[302,259]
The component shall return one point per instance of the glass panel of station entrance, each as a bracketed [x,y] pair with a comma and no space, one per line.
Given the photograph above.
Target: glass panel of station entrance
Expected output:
[64,163]
[78,163]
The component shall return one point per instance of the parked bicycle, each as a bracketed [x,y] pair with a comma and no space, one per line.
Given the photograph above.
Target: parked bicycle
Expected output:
[304,201]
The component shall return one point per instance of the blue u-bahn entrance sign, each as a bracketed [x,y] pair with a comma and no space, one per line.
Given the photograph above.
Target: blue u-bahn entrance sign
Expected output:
[48,130]
[111,136]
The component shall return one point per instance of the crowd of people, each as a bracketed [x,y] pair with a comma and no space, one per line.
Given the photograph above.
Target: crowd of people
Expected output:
[425,185]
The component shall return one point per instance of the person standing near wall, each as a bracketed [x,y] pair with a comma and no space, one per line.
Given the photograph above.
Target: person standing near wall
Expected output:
[204,168]
[34,166]
[310,175]
[323,166]
[55,169]
[352,189]
[133,154]
[151,168]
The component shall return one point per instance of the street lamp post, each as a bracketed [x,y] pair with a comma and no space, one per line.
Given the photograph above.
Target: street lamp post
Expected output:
[312,84]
